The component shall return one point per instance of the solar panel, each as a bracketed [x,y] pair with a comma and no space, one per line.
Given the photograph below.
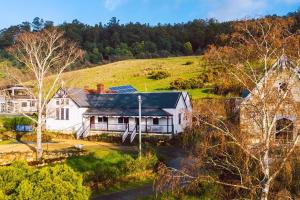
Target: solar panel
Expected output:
[123,89]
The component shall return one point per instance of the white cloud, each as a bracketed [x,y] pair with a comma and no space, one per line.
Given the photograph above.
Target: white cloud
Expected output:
[236,9]
[111,5]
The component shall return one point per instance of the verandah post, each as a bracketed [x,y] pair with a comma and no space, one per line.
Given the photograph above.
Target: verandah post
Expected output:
[140,127]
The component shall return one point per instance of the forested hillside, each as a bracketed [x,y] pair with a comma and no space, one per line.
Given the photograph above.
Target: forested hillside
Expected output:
[115,41]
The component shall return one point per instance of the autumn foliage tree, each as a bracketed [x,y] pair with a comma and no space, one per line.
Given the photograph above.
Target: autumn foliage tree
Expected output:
[44,53]
[246,159]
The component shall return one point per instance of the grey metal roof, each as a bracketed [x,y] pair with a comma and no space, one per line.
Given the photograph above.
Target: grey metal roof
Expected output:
[78,95]
[125,112]
[150,100]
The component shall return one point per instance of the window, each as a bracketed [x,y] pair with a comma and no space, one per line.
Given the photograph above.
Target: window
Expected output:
[120,120]
[126,120]
[57,101]
[284,129]
[179,118]
[57,114]
[155,121]
[67,101]
[24,104]
[32,103]
[62,114]
[2,107]
[123,120]
[67,113]
[102,119]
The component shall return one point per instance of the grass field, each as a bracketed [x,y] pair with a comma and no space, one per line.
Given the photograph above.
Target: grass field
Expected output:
[135,72]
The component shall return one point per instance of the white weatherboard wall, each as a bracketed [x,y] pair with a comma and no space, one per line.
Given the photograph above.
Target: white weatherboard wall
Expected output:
[181,108]
[69,126]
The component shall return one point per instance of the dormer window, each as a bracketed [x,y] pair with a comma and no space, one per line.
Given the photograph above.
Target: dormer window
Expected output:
[283,86]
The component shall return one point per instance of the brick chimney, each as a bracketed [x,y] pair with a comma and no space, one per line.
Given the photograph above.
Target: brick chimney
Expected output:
[100,89]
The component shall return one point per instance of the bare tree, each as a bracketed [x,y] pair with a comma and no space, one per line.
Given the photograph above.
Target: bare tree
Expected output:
[44,53]
[249,157]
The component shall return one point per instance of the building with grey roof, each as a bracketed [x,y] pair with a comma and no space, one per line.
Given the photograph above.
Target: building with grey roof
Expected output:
[75,110]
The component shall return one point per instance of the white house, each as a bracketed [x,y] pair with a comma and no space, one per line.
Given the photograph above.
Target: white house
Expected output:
[73,110]
[17,99]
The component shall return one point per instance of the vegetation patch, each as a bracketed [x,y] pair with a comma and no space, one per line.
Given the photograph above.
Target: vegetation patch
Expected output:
[108,171]
[183,84]
[157,75]
[19,181]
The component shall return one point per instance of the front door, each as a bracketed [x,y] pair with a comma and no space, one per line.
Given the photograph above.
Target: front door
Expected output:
[92,120]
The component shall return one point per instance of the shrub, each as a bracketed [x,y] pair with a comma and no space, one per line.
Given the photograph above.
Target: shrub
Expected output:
[188,48]
[183,84]
[228,89]
[157,75]
[19,181]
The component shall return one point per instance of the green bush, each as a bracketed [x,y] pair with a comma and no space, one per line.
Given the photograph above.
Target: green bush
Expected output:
[157,75]
[19,181]
[183,84]
[10,123]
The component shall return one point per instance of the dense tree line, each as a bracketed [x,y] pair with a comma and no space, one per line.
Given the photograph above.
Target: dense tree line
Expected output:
[115,41]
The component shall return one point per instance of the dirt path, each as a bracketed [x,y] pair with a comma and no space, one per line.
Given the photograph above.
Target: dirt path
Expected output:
[132,194]
[174,158]
[60,144]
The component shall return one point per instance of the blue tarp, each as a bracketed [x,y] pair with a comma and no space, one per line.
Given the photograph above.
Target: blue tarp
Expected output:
[24,128]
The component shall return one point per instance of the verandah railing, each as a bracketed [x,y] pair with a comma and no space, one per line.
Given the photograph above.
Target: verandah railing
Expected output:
[123,127]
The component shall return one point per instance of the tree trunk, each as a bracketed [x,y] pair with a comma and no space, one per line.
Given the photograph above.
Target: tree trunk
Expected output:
[266,170]
[265,191]
[39,149]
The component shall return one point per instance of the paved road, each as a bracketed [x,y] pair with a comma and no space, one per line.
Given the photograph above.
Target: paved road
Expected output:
[175,157]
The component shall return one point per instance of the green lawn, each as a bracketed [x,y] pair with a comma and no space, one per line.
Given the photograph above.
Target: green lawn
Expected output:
[135,72]
[112,170]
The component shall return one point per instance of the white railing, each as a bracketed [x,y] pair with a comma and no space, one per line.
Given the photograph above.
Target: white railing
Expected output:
[125,134]
[133,134]
[123,127]
[99,126]
[83,131]
[86,132]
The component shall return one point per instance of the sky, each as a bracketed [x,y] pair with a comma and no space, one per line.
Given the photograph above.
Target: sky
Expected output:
[145,11]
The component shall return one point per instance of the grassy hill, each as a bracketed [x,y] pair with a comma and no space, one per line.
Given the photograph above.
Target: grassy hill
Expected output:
[135,73]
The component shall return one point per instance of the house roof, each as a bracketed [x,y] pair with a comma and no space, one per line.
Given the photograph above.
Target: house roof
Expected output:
[152,100]
[282,63]
[126,112]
